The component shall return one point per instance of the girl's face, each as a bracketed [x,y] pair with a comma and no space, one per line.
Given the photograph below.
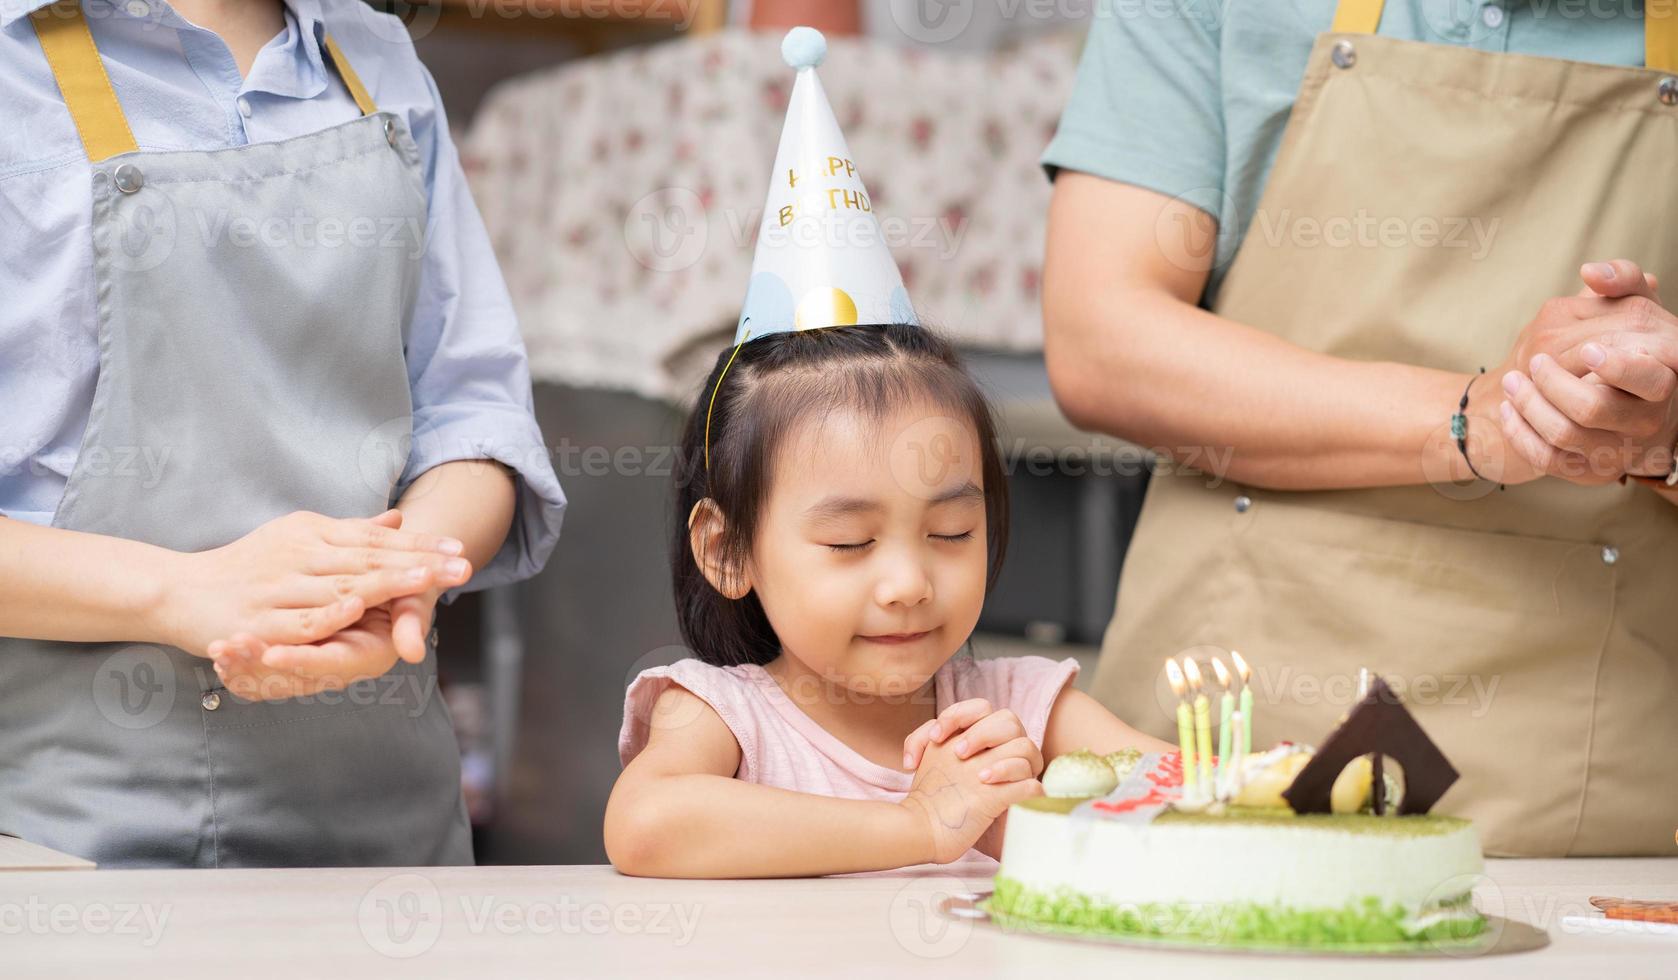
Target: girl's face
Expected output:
[870,556]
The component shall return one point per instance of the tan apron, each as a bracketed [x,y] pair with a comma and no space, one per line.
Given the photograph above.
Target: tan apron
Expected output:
[1533,631]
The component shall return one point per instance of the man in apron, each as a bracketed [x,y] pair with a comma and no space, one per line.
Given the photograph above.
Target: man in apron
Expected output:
[282,371]
[1438,177]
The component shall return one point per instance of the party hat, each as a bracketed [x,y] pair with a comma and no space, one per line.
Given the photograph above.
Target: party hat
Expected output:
[822,259]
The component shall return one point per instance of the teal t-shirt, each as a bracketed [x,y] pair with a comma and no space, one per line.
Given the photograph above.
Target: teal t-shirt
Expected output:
[1189,98]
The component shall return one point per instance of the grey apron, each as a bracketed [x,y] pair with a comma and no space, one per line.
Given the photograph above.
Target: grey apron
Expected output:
[251,337]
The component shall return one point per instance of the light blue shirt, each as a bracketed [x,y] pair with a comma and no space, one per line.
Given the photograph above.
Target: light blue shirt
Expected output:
[181,90]
[1188,98]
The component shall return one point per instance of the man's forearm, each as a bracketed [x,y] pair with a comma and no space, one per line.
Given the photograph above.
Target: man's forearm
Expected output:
[471,500]
[1175,377]
[69,585]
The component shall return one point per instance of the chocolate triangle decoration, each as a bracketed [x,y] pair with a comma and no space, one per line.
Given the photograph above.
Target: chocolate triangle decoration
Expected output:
[1378,724]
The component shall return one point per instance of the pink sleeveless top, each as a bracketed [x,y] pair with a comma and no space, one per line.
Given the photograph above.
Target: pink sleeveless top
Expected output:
[782,746]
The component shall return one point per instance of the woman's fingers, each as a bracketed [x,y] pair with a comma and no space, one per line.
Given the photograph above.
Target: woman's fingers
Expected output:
[1618,277]
[310,624]
[241,670]
[409,576]
[952,719]
[361,534]
[334,562]
[408,629]
[336,663]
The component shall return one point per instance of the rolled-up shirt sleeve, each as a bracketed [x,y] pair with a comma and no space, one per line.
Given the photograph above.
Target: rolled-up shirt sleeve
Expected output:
[1147,107]
[467,366]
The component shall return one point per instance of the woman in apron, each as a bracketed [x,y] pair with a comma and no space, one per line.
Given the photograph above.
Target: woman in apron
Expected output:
[248,308]
[1440,173]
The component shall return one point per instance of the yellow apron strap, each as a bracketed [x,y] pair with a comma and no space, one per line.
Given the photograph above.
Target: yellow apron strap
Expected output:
[1660,35]
[352,81]
[1357,16]
[87,91]
[1660,27]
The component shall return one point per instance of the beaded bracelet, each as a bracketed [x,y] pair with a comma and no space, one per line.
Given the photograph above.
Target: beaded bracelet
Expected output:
[1459,429]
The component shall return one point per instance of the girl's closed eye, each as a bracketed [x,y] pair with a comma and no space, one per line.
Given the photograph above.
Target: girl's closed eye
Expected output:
[858,546]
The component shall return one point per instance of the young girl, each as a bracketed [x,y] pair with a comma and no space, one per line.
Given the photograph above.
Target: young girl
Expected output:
[834,541]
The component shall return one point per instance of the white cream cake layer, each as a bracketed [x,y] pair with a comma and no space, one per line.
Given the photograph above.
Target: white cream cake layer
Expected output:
[1301,862]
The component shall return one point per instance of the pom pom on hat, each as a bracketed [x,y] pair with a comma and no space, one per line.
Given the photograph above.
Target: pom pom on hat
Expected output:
[803,47]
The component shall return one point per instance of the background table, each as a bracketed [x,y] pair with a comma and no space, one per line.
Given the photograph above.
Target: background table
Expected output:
[495,922]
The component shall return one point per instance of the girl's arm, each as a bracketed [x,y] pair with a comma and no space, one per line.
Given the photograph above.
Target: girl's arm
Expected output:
[678,812]
[1078,721]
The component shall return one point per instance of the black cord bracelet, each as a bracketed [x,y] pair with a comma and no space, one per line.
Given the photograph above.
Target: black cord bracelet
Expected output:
[1459,429]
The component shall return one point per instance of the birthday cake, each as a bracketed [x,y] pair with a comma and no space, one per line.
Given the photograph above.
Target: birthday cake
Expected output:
[1294,848]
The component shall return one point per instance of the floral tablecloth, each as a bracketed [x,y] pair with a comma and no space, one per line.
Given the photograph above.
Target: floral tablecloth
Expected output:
[623,193]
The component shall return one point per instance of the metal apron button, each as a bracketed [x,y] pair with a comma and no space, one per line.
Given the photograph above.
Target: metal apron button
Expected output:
[1243,504]
[1345,54]
[1669,90]
[128,178]
[1610,555]
[390,131]
[210,701]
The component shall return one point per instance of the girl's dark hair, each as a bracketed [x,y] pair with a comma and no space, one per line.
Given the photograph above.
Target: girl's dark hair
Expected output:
[775,383]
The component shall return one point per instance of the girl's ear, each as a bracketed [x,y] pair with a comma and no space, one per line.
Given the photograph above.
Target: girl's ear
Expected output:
[705,533]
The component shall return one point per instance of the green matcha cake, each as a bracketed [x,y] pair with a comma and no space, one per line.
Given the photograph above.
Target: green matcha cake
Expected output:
[1246,876]
[1293,849]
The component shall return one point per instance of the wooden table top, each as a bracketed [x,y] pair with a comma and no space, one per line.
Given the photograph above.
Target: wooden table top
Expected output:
[550,921]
